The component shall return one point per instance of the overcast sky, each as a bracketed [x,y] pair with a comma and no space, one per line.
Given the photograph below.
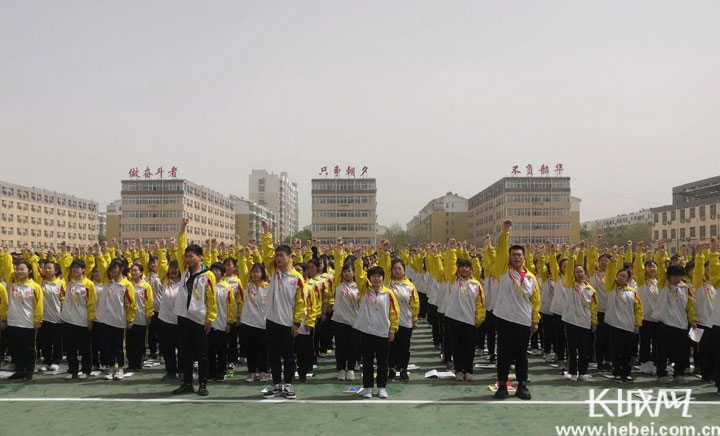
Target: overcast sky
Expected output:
[433,96]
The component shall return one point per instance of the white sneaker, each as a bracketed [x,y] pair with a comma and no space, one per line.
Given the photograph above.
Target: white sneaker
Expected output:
[119,374]
[54,367]
[70,377]
[584,377]
[459,376]
[382,393]
[367,393]
[111,373]
[350,375]
[82,376]
[665,379]
[251,378]
[574,378]
[468,377]
[341,375]
[265,377]
[44,368]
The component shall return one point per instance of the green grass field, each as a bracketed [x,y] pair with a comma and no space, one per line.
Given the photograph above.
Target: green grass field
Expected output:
[142,404]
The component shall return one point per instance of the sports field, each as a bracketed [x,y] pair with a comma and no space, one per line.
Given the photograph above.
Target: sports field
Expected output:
[141,404]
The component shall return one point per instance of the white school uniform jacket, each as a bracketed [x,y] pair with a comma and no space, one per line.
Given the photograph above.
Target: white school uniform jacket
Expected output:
[80,303]
[118,305]
[25,304]
[253,298]
[466,302]
[53,296]
[408,301]
[347,303]
[518,298]
[581,308]
[649,295]
[379,312]
[676,306]
[167,307]
[442,288]
[547,290]
[560,296]
[286,302]
[624,309]
[491,292]
[144,302]
[598,283]
[196,297]
[225,297]
[704,296]
[432,287]
[157,291]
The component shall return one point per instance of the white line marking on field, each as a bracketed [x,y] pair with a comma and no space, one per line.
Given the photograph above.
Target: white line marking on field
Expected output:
[348,401]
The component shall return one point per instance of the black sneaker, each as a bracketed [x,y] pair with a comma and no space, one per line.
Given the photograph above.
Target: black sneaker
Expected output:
[502,392]
[203,392]
[522,391]
[184,389]
[288,392]
[16,376]
[626,379]
[28,376]
[404,376]
[492,359]
[168,377]
[391,375]
[276,391]
[302,378]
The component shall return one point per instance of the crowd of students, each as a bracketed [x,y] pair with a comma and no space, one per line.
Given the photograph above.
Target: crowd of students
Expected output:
[283,306]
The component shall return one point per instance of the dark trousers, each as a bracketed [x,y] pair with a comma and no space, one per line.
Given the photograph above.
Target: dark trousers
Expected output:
[490,331]
[423,305]
[705,352]
[548,328]
[135,346]
[315,336]
[399,356]
[113,344]
[512,346]
[715,341]
[49,338]
[97,351]
[217,353]
[463,339]
[622,342]
[22,349]
[578,340]
[169,346]
[648,341]
[672,344]
[327,333]
[233,337]
[374,349]
[560,337]
[603,350]
[304,354]
[281,352]
[193,345]
[256,348]
[432,317]
[347,346]
[153,334]
[4,347]
[77,341]
[446,339]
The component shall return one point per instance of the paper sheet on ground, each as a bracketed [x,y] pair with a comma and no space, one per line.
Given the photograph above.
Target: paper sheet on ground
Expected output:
[695,334]
[434,373]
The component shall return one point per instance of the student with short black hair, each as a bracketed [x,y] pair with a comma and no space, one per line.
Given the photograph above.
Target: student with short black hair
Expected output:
[50,334]
[78,315]
[286,307]
[24,314]
[517,310]
[196,309]
[217,341]
[135,336]
[377,322]
[253,296]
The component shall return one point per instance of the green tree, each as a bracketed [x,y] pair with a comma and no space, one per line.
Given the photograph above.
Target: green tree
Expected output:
[303,235]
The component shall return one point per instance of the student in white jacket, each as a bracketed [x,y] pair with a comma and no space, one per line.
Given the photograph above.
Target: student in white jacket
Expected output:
[78,315]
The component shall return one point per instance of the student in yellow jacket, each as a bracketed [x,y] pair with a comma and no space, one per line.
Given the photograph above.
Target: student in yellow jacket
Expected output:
[196,309]
[24,314]
[285,309]
[377,322]
[408,301]
[135,336]
[217,341]
[78,315]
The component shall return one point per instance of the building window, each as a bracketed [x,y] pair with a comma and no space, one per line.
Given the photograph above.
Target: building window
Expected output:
[682,214]
[672,216]
[672,234]
[664,217]
[657,233]
[713,230]
[664,233]
[702,212]
[713,211]
[702,231]
[692,212]
[692,232]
